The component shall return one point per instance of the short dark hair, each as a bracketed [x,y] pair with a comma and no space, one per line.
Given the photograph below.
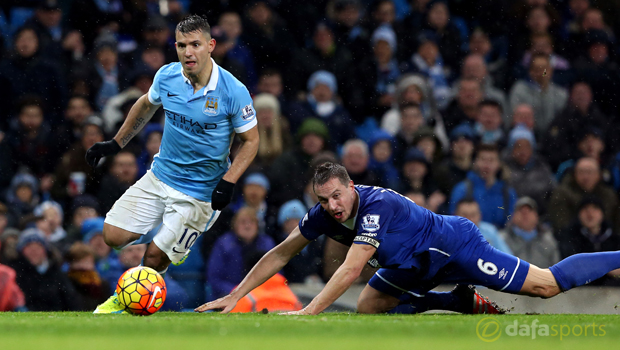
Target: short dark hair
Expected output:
[486,148]
[194,23]
[329,170]
[269,72]
[466,200]
[491,103]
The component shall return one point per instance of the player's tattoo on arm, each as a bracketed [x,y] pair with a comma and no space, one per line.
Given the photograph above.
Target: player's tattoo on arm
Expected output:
[138,124]
[125,139]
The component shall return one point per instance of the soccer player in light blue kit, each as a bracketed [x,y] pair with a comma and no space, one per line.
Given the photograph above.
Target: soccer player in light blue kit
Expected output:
[416,250]
[191,178]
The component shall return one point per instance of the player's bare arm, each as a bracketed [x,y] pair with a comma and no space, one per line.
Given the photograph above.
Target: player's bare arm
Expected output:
[267,266]
[245,156]
[141,112]
[344,277]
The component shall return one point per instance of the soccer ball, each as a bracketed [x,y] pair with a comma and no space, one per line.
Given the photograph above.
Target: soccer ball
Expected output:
[141,290]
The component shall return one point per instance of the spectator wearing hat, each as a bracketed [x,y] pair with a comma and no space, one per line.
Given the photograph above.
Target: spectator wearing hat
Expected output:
[44,285]
[227,261]
[356,159]
[411,89]
[475,67]
[74,161]
[565,130]
[584,180]
[122,174]
[230,22]
[273,129]
[454,169]
[325,54]
[464,107]
[428,62]
[469,209]
[589,232]
[82,207]
[23,196]
[487,187]
[11,296]
[417,177]
[53,230]
[381,147]
[307,265]
[322,103]
[77,110]
[28,73]
[599,69]
[290,172]
[528,238]
[530,175]
[29,137]
[546,98]
[381,72]
[92,235]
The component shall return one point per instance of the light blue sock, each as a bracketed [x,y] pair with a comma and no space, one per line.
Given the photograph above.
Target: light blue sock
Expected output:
[580,269]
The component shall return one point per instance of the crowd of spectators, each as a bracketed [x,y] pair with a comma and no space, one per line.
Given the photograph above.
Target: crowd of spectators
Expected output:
[500,111]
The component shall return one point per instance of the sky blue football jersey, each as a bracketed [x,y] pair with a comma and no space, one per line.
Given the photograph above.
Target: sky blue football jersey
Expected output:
[199,127]
[401,230]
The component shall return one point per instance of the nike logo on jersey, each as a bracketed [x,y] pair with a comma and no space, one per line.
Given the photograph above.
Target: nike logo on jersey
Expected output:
[170,95]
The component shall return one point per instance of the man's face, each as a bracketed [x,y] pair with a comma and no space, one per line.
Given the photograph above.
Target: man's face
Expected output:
[35,253]
[591,216]
[523,114]
[591,146]
[194,51]
[411,120]
[581,96]
[428,145]
[382,51]
[462,148]
[469,94]
[271,84]
[587,174]
[154,58]
[83,213]
[78,110]
[246,227]
[101,249]
[125,168]
[337,199]
[49,18]
[438,15]
[322,93]
[385,13]
[474,68]
[415,170]
[27,43]
[31,117]
[153,143]
[348,16]
[525,218]
[254,194]
[540,70]
[355,160]
[311,144]
[429,51]
[480,44]
[382,151]
[132,256]
[107,58]
[598,53]
[92,134]
[522,152]
[230,23]
[323,39]
[470,211]
[490,117]
[487,164]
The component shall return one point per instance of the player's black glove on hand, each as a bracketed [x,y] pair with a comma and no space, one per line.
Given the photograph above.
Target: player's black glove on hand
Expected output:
[222,194]
[100,150]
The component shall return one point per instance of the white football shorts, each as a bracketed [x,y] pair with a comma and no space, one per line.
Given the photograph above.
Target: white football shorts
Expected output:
[149,202]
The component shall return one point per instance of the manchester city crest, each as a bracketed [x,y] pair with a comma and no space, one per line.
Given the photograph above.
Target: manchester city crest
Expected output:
[211,105]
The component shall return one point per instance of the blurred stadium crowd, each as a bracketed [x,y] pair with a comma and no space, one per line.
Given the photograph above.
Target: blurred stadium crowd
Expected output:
[501,111]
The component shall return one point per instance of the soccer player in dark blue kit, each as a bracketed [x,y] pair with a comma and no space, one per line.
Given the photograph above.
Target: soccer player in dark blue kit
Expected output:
[416,250]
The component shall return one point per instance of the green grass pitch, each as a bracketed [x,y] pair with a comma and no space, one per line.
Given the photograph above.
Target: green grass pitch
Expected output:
[185,331]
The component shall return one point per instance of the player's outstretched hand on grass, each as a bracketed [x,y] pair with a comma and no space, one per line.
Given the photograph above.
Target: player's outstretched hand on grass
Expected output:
[100,150]
[226,304]
[301,312]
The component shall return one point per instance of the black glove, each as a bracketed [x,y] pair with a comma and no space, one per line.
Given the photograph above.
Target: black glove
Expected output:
[222,194]
[100,150]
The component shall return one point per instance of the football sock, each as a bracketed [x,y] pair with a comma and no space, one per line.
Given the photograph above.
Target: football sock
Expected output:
[580,269]
[431,301]
[163,272]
